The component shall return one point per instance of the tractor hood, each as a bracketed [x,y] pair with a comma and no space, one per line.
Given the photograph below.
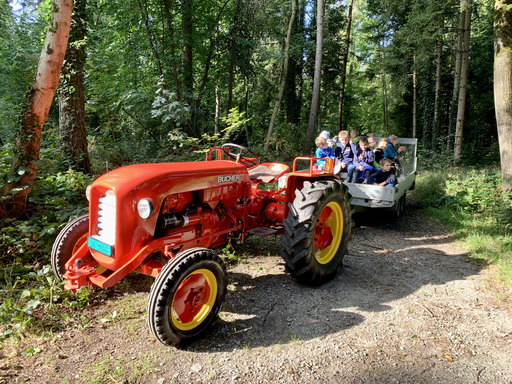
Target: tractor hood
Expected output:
[201,182]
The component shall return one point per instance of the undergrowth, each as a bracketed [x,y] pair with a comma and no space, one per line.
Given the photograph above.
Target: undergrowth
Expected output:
[472,206]
[32,300]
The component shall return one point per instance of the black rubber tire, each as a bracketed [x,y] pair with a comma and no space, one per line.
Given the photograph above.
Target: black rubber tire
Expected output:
[398,209]
[166,286]
[298,239]
[66,242]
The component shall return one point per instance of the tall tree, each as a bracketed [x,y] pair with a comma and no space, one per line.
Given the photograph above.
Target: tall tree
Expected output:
[461,108]
[72,131]
[35,111]
[317,77]
[456,77]
[344,67]
[283,76]
[187,56]
[503,85]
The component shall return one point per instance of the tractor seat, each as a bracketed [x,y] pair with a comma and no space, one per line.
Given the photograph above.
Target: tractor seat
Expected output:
[268,172]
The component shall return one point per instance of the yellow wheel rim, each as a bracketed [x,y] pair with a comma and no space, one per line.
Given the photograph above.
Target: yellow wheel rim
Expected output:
[194,300]
[328,233]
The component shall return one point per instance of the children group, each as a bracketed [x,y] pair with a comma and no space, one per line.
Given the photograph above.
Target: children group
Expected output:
[361,158]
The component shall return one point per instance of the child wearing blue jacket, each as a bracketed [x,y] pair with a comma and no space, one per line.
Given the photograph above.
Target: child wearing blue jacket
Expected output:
[390,151]
[363,159]
[345,153]
[385,176]
[323,150]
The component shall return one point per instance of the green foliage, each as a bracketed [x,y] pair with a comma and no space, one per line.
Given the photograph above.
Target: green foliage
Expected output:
[470,203]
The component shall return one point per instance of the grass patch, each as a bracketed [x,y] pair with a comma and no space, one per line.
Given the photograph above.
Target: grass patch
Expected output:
[471,205]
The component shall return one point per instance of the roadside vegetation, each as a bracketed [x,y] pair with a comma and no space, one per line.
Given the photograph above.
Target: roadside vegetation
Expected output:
[469,201]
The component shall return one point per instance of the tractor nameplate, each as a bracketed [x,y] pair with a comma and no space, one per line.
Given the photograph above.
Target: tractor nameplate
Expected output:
[99,246]
[228,179]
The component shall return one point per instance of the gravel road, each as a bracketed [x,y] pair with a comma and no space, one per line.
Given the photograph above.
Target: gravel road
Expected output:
[407,307]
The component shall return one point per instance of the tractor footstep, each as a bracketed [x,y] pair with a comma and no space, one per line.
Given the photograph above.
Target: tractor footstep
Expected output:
[262,231]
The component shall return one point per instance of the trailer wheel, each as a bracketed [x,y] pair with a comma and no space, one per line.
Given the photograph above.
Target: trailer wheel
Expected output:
[69,240]
[186,296]
[399,207]
[317,232]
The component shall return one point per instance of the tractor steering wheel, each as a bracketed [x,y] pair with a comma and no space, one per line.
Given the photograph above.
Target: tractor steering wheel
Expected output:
[248,161]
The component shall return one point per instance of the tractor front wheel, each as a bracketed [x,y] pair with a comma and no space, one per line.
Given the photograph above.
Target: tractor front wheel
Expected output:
[186,296]
[317,232]
[69,240]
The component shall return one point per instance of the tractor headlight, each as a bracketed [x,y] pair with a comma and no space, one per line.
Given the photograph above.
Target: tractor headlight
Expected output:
[145,208]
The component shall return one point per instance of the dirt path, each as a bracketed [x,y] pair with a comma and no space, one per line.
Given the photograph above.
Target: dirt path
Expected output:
[405,308]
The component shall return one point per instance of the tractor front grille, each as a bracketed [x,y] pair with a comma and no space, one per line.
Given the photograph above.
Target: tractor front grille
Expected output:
[107,219]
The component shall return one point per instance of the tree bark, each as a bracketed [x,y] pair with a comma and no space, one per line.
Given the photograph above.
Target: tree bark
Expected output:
[457,146]
[456,76]
[187,57]
[503,86]
[385,103]
[317,78]
[72,131]
[230,86]
[283,76]
[437,102]
[168,18]
[344,67]
[414,103]
[38,99]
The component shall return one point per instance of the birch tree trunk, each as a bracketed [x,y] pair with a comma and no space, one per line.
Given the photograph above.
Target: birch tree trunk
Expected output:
[344,68]
[317,80]
[283,76]
[457,146]
[503,86]
[35,110]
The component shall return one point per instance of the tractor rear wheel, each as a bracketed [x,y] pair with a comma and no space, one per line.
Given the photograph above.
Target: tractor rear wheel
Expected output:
[69,240]
[186,296]
[317,231]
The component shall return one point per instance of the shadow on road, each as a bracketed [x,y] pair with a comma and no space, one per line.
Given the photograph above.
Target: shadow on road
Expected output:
[386,261]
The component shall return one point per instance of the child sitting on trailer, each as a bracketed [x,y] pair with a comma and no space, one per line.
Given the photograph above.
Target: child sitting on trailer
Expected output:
[344,152]
[379,151]
[371,141]
[363,160]
[385,176]
[323,150]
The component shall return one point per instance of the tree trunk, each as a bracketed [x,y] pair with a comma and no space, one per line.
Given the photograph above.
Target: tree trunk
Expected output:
[72,131]
[437,99]
[217,109]
[283,76]
[456,77]
[385,103]
[317,78]
[35,110]
[187,30]
[503,86]
[344,67]
[414,103]
[168,18]
[230,86]
[457,146]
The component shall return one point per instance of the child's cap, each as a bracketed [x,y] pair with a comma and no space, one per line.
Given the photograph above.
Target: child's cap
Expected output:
[325,134]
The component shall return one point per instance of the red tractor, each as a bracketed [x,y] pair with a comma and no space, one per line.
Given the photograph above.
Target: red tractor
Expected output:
[163,220]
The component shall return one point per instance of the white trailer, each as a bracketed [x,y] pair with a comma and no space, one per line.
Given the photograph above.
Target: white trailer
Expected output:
[366,196]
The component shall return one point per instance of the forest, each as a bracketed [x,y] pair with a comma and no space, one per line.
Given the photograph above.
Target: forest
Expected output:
[147,81]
